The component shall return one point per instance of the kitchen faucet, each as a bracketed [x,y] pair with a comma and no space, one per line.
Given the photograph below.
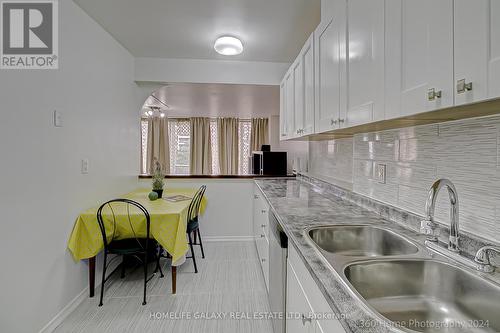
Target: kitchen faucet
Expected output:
[428,226]
[483,258]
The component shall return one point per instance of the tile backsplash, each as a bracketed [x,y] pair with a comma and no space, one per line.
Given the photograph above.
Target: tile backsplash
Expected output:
[467,152]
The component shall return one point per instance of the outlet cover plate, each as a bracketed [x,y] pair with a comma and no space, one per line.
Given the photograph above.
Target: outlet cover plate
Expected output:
[381,173]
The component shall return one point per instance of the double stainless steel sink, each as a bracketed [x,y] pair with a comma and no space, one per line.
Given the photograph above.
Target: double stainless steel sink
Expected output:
[403,285]
[361,241]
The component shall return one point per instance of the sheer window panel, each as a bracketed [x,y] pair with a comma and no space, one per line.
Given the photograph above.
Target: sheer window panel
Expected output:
[180,144]
[144,145]
[215,147]
[245,128]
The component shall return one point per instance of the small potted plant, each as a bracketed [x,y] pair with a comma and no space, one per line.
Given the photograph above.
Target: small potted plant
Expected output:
[158,179]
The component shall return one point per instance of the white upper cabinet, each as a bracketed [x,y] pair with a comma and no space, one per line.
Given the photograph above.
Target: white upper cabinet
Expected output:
[330,53]
[420,50]
[298,79]
[477,50]
[283,129]
[298,86]
[365,62]
[384,59]
[308,64]
[289,104]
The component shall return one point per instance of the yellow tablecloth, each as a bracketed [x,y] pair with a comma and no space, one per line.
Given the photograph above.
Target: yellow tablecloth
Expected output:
[168,225]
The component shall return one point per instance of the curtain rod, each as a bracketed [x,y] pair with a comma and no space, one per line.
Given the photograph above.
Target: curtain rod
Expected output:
[211,118]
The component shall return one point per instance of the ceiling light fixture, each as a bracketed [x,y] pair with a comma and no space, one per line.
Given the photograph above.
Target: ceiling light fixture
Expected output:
[227,45]
[154,112]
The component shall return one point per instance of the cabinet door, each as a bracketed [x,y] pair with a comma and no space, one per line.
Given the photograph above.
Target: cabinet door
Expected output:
[365,62]
[290,104]
[477,50]
[298,80]
[329,43]
[297,306]
[308,63]
[257,216]
[283,129]
[494,47]
[422,33]
[263,251]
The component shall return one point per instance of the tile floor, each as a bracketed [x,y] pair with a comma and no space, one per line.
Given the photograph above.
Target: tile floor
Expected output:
[229,281]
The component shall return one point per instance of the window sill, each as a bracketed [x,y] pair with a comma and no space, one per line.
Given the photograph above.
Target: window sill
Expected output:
[218,176]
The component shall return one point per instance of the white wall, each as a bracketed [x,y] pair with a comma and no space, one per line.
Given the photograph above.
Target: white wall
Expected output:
[42,189]
[209,71]
[229,212]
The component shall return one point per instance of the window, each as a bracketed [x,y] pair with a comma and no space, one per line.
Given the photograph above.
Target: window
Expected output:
[215,147]
[144,145]
[180,145]
[245,128]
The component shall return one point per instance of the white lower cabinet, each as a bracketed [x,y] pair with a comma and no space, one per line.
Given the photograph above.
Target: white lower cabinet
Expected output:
[297,305]
[261,231]
[305,302]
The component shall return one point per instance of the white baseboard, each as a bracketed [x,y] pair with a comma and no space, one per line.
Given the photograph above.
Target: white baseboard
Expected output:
[227,238]
[58,319]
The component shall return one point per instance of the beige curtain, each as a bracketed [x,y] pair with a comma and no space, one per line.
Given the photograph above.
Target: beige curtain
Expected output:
[259,133]
[158,144]
[227,132]
[201,147]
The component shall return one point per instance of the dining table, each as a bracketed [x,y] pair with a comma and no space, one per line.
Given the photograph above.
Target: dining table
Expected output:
[168,222]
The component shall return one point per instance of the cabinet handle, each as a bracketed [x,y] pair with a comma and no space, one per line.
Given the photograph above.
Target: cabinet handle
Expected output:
[306,320]
[283,134]
[263,259]
[432,94]
[262,236]
[263,225]
[263,211]
[341,121]
[333,122]
[463,86]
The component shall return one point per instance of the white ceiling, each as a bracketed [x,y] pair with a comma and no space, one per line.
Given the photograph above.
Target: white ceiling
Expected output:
[216,100]
[271,30]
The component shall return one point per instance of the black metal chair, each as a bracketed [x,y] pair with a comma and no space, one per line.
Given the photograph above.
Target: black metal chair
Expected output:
[193,225]
[133,247]
[193,230]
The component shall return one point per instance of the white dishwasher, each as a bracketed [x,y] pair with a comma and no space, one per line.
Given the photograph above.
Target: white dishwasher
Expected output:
[278,251]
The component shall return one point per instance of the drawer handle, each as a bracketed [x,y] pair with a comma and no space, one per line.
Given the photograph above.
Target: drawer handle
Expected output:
[263,259]
[263,225]
[263,211]
[262,236]
[306,320]
[432,94]
[463,86]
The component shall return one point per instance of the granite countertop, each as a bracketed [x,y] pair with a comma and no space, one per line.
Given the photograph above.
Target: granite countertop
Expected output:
[298,205]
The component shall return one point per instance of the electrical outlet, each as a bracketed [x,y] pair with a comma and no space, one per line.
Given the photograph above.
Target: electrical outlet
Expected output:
[381,173]
[85,166]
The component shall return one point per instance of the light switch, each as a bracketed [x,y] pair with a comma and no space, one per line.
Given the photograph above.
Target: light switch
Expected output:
[381,173]
[57,118]
[85,166]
